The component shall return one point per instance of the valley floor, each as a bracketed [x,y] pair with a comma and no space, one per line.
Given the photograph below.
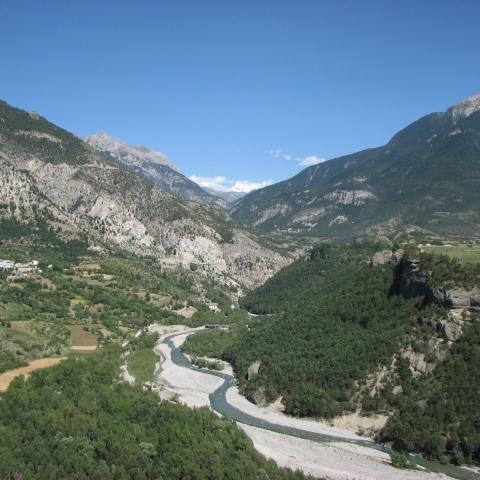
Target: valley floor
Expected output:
[335,460]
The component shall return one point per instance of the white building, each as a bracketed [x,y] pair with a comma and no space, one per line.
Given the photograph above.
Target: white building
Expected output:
[23,267]
[6,264]
[213,307]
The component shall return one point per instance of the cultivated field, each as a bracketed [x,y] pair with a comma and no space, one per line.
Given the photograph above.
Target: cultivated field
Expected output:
[467,254]
[7,377]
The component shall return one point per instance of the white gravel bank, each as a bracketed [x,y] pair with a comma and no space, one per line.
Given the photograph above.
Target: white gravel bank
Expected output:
[335,460]
[274,416]
[191,386]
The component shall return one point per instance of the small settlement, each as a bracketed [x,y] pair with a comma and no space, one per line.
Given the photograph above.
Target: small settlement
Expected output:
[19,270]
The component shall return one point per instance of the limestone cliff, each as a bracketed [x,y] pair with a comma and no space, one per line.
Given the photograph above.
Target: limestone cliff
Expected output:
[47,170]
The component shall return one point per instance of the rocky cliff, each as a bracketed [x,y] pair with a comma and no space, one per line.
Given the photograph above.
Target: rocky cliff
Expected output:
[47,171]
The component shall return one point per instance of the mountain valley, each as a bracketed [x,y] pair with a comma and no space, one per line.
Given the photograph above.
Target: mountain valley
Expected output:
[365,325]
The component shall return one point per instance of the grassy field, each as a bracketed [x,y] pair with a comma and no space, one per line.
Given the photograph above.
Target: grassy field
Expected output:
[88,266]
[467,254]
[81,337]
[141,365]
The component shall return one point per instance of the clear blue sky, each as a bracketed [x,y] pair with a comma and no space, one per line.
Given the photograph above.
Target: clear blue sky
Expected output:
[220,86]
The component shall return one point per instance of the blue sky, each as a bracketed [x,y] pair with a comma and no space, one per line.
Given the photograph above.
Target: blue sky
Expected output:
[242,90]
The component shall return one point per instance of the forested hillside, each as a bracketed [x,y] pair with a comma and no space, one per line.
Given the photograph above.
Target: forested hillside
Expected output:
[340,336]
[76,420]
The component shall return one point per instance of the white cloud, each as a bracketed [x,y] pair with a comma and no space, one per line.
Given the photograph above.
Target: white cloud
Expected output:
[217,183]
[304,162]
[313,160]
[221,184]
[247,186]
[276,152]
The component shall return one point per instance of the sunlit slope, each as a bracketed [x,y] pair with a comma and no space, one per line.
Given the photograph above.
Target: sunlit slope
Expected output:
[424,182]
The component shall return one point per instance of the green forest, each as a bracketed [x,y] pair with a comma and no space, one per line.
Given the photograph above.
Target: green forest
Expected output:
[325,328]
[76,421]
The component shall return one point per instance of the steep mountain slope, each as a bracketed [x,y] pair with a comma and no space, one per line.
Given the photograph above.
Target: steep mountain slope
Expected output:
[47,171]
[423,182]
[152,166]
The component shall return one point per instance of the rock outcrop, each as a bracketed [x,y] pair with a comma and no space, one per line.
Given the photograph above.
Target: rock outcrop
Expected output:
[454,297]
[386,256]
[253,370]
[418,363]
[258,397]
[451,330]
[414,281]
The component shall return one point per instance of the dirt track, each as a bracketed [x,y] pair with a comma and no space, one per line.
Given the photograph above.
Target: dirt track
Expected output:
[7,377]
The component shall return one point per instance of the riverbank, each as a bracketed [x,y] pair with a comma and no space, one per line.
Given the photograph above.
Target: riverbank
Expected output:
[334,460]
[191,387]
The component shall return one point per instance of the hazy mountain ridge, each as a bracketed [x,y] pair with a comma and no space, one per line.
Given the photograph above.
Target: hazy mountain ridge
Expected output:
[230,197]
[424,182]
[153,166]
[47,170]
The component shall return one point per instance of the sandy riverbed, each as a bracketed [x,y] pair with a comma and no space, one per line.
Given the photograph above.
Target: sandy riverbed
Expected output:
[335,460]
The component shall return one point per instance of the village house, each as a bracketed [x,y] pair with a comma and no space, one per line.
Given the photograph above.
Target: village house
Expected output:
[6,265]
[23,267]
[213,307]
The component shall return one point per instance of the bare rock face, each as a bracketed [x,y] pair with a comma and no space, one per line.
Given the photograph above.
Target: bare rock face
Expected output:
[437,295]
[417,362]
[397,389]
[475,299]
[465,108]
[253,369]
[457,298]
[349,197]
[380,258]
[451,330]
[454,298]
[258,397]
[133,156]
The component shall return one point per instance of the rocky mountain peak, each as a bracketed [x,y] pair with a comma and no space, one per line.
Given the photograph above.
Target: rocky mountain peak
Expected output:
[128,154]
[465,108]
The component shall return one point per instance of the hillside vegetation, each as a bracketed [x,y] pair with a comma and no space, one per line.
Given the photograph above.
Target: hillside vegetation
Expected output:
[341,337]
[423,183]
[75,420]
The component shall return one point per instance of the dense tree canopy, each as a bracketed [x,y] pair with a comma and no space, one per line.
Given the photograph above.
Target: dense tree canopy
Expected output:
[330,325]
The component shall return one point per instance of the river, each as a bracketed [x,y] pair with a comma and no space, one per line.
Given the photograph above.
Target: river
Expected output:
[220,404]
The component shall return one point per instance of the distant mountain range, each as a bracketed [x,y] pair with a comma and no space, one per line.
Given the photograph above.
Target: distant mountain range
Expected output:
[230,197]
[154,167]
[423,183]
